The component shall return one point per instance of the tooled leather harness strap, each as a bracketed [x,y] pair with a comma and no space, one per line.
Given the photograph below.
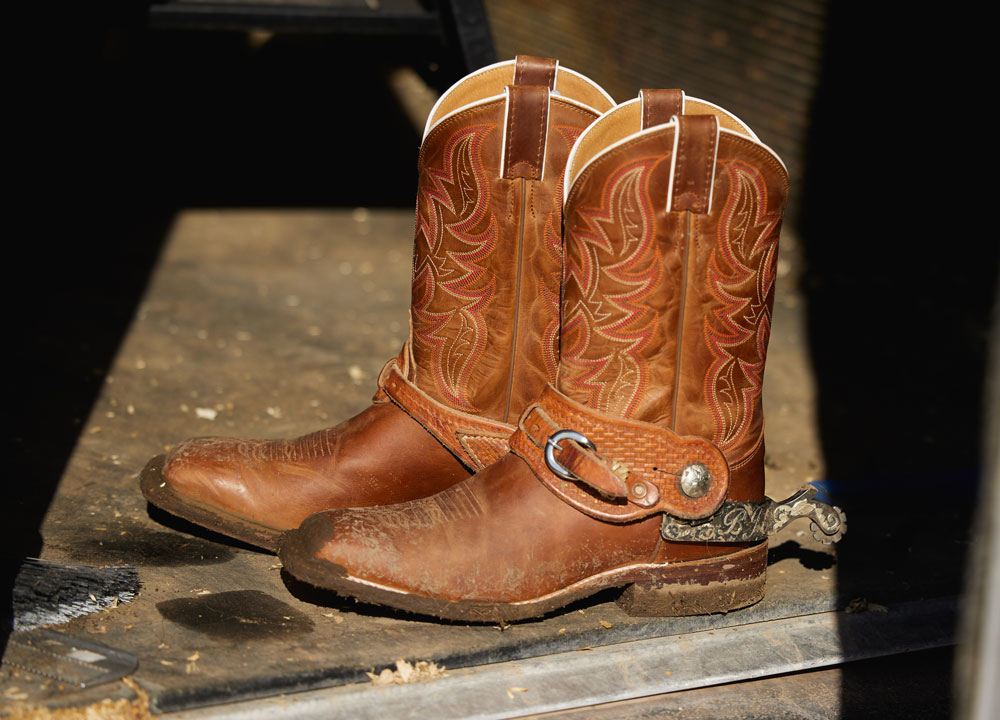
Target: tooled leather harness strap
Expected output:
[477,441]
[634,470]
[659,106]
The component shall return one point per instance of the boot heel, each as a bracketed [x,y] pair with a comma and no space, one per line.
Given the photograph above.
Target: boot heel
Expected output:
[700,587]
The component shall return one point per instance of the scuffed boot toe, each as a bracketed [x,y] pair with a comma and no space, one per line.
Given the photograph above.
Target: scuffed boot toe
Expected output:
[205,481]
[206,469]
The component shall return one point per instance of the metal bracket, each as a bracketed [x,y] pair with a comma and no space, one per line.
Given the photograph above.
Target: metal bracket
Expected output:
[754,521]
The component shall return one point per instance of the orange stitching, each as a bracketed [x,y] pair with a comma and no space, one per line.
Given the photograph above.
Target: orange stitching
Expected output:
[510,132]
[543,117]
[680,167]
[709,167]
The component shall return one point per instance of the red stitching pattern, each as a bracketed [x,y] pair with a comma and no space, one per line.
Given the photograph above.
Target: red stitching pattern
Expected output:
[615,267]
[457,335]
[737,332]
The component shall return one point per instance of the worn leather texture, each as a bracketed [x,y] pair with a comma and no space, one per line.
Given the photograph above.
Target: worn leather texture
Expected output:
[525,128]
[484,328]
[500,536]
[665,321]
[366,460]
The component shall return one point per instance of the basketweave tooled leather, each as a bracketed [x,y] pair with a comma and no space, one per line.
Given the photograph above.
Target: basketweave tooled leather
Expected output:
[670,260]
[650,458]
[484,322]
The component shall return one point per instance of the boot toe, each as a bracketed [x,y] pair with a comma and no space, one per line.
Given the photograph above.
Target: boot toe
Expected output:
[206,470]
[302,551]
[351,551]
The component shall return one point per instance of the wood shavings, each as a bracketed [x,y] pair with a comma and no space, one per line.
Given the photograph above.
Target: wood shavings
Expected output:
[405,672]
[107,709]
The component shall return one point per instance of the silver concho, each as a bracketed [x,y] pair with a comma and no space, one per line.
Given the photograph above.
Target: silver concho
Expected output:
[696,480]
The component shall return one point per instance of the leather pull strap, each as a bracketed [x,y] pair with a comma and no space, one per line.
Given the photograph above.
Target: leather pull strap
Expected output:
[692,176]
[525,128]
[530,70]
[659,106]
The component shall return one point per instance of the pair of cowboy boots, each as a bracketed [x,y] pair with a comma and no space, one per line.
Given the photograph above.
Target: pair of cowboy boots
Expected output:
[592,289]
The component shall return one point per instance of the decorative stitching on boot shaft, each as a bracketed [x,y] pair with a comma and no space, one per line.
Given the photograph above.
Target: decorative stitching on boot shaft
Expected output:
[611,276]
[458,234]
[741,274]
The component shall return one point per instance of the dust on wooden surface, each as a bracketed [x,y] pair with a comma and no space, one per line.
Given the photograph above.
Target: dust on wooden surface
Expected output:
[280,323]
[405,672]
[120,709]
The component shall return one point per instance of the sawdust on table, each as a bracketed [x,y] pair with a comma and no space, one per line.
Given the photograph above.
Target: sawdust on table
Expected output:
[405,672]
[107,709]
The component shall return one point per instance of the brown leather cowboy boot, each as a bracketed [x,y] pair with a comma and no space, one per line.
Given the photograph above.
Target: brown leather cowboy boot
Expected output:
[643,467]
[484,323]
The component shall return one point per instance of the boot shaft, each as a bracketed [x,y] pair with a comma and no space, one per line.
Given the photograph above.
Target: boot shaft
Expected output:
[487,258]
[671,247]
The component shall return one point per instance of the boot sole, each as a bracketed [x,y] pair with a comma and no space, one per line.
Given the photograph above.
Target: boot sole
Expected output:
[160,493]
[695,587]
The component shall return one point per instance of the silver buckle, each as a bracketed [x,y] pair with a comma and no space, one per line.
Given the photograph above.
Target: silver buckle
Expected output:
[552,444]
